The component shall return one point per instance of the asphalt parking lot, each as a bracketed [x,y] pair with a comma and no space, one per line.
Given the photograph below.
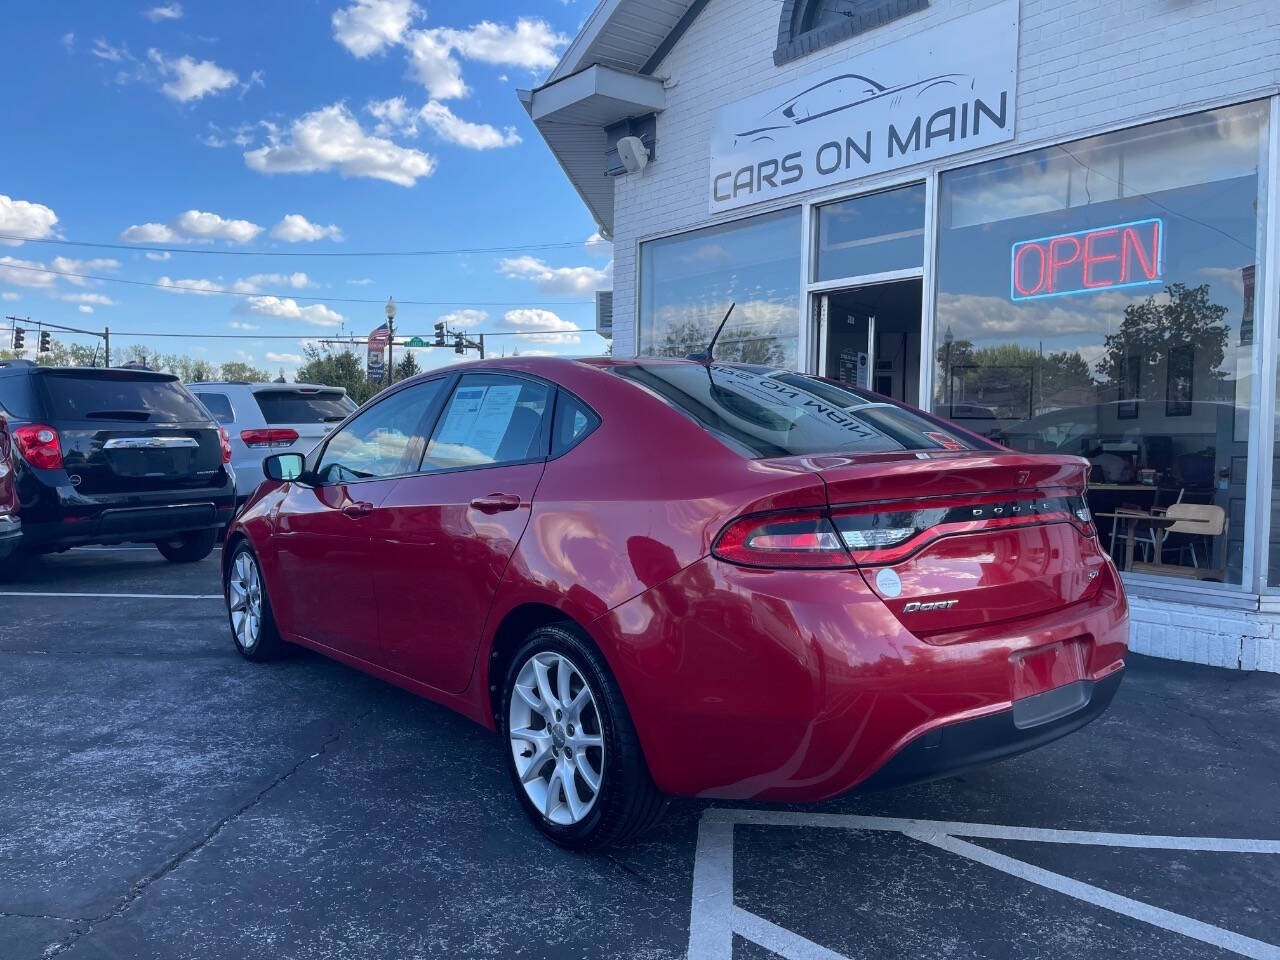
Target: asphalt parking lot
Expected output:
[160,797]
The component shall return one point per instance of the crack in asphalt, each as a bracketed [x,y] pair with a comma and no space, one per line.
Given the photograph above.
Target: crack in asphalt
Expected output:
[141,886]
[1174,706]
[41,916]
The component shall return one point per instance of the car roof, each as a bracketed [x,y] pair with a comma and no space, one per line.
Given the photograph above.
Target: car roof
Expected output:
[264,386]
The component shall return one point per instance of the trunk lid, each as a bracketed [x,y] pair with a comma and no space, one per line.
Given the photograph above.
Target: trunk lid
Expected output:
[952,541]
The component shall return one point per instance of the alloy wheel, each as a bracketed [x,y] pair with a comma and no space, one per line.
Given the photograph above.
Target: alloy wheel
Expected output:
[245,589]
[557,740]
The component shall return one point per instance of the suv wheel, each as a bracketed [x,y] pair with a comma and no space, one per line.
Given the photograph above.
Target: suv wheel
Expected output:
[253,627]
[188,547]
[574,756]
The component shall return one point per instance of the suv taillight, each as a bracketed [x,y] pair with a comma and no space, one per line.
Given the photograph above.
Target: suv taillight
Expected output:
[270,437]
[225,438]
[38,445]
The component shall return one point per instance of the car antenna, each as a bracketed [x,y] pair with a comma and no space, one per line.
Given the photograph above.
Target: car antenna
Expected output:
[705,356]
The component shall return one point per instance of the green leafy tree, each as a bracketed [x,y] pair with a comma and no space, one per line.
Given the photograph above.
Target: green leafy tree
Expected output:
[238,370]
[337,368]
[1013,379]
[407,366]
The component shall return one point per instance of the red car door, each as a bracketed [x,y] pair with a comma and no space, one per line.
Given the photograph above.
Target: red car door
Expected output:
[324,554]
[444,537]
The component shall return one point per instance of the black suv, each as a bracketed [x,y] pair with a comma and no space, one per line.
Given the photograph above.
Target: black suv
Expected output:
[111,456]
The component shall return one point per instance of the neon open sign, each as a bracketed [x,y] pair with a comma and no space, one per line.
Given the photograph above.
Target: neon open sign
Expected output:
[1105,258]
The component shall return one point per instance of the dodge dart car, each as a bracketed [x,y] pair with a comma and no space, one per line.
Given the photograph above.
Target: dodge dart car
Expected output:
[674,578]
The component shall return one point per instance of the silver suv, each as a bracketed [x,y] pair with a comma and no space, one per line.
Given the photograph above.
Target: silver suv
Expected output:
[267,418]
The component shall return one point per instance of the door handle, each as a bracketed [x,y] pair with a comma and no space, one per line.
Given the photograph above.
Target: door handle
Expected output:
[357,509]
[496,502]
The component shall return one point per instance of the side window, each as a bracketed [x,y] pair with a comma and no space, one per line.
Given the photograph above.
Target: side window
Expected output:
[384,441]
[574,420]
[218,405]
[490,419]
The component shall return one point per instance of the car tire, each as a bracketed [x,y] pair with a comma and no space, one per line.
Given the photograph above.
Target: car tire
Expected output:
[561,741]
[188,547]
[253,626]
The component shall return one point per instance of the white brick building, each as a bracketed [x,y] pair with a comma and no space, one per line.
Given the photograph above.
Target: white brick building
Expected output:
[1089,265]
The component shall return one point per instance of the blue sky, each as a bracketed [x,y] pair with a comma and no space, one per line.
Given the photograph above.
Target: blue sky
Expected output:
[287,128]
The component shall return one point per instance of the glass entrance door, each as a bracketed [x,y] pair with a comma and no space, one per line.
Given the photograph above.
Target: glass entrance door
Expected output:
[870,337]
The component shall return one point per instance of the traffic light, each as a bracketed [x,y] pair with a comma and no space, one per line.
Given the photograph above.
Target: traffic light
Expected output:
[459,344]
[440,334]
[46,341]
[19,338]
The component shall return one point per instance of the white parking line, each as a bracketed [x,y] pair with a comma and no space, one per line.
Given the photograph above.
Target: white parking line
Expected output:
[124,596]
[714,918]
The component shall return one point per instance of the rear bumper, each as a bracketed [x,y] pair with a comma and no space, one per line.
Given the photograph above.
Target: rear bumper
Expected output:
[10,535]
[1030,723]
[796,686]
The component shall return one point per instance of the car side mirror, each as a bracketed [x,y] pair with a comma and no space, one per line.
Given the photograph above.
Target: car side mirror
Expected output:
[284,466]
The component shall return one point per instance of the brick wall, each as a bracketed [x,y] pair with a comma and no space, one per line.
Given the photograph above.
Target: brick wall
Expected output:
[1236,639]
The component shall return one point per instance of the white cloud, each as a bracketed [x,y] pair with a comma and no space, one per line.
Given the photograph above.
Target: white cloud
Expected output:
[241,325]
[368,26]
[194,225]
[476,136]
[69,41]
[432,60]
[99,299]
[548,279]
[975,317]
[394,115]
[293,358]
[598,246]
[10,295]
[188,79]
[22,218]
[331,138]
[201,287]
[467,317]
[166,11]
[295,228]
[286,308]
[26,273]
[531,43]
[529,318]
[104,51]
[361,282]
[260,281]
[159,255]
[85,308]
[68,265]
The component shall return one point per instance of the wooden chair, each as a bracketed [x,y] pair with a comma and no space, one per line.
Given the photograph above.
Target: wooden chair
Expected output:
[1193,520]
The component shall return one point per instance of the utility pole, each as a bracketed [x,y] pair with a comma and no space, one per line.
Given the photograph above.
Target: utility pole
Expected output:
[391,340]
[106,339]
[481,338]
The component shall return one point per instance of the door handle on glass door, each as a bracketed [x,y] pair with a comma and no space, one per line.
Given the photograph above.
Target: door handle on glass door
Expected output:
[358,508]
[496,502]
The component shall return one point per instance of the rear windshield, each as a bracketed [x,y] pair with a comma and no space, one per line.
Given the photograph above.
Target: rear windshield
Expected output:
[119,395]
[304,406]
[765,412]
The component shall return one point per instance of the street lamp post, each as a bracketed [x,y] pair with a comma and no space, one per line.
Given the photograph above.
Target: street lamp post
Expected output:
[391,339]
[949,338]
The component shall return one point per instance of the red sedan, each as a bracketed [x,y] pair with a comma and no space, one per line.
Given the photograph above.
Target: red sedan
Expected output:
[668,578]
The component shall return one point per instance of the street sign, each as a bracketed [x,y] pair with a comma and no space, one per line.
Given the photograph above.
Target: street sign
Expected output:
[415,342]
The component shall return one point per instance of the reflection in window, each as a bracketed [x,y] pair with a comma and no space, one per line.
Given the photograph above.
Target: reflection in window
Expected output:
[1096,299]
[384,441]
[687,283]
[871,234]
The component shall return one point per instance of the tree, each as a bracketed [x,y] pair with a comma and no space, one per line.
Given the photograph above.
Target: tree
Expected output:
[342,368]
[238,370]
[407,366]
[1151,329]
[1016,381]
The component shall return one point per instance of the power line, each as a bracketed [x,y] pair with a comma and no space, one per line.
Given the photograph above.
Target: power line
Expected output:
[213,251]
[354,339]
[290,295]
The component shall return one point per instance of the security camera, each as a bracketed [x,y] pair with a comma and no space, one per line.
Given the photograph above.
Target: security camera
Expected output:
[632,153]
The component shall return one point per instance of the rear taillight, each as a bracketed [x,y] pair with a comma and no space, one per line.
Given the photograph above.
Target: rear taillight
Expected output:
[270,437]
[38,445]
[875,534]
[225,439]
[803,538]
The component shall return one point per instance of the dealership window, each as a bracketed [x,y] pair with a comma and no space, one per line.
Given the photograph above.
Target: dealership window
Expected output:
[876,233]
[1096,299]
[687,283]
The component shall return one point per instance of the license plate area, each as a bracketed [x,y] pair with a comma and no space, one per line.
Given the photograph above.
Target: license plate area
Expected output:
[1048,667]
[153,463]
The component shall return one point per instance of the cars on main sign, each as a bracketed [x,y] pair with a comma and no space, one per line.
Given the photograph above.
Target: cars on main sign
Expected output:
[663,577]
